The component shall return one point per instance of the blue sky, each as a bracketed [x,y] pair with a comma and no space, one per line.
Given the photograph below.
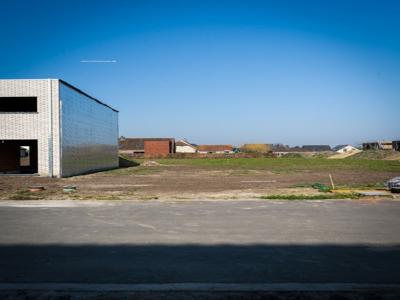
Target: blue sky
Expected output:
[293,72]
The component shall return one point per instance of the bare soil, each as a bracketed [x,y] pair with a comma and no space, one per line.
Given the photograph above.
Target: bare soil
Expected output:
[184,182]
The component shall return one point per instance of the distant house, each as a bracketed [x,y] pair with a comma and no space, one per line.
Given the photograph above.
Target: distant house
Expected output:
[183,146]
[131,146]
[316,148]
[378,145]
[371,146]
[159,147]
[148,146]
[396,145]
[344,148]
[386,145]
[219,149]
[281,150]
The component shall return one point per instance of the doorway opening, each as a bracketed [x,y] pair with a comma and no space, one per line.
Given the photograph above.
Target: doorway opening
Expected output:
[18,157]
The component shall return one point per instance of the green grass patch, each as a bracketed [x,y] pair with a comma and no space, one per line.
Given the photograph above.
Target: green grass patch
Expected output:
[94,197]
[285,165]
[25,194]
[371,154]
[367,186]
[312,197]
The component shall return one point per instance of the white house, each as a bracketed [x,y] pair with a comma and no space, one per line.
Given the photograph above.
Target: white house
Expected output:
[344,148]
[50,128]
[183,146]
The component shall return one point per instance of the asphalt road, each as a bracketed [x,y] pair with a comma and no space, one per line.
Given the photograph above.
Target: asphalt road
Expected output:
[339,241]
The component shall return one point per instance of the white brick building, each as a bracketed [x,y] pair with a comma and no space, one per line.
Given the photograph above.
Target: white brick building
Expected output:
[49,127]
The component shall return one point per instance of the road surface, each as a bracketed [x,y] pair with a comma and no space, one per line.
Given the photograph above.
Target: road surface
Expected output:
[224,242]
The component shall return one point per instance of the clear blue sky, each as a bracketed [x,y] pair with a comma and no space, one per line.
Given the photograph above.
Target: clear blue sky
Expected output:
[294,72]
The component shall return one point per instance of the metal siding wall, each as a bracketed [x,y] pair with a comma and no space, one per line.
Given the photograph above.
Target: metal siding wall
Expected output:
[89,134]
[35,126]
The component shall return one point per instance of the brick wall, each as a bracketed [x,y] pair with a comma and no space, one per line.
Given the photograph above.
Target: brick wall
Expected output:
[157,147]
[35,125]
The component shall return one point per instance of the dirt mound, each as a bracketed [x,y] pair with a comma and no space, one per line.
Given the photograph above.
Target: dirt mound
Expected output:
[372,154]
[395,156]
[344,155]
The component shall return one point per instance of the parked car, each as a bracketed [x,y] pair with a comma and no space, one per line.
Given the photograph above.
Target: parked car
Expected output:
[394,185]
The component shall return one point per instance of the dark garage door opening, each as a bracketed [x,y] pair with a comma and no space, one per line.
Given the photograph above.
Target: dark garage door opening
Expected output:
[18,157]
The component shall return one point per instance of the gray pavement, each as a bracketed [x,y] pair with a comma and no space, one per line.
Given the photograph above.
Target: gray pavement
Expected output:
[224,242]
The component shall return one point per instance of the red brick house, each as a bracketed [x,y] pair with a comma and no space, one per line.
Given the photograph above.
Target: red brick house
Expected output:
[147,146]
[158,147]
[215,149]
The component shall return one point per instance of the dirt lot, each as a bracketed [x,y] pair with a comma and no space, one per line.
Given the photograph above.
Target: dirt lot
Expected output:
[206,178]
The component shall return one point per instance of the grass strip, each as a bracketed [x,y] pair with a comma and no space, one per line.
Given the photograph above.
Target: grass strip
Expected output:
[312,197]
[285,164]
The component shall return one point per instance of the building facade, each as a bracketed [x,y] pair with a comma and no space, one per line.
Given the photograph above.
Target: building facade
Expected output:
[316,148]
[63,130]
[162,147]
[378,145]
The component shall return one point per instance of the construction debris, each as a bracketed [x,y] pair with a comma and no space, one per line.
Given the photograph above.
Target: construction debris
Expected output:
[150,163]
[394,185]
[69,189]
[36,188]
[321,187]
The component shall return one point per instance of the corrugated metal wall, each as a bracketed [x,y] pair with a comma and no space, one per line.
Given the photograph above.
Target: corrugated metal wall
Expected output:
[89,134]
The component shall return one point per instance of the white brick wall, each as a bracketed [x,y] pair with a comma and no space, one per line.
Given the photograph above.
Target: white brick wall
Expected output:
[34,125]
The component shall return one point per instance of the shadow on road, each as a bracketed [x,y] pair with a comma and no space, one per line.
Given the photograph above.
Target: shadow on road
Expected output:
[200,263]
